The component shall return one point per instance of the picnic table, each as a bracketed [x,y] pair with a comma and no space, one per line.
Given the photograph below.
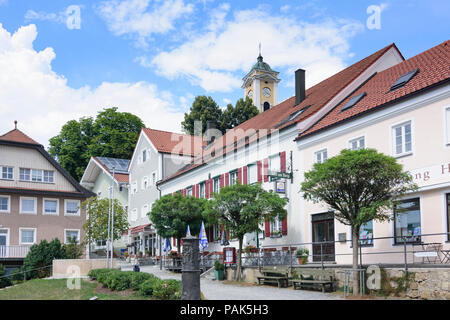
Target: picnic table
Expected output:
[312,278]
[276,274]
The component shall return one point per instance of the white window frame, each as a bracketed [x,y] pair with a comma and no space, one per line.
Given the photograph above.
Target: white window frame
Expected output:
[216,184]
[48,213]
[71,214]
[321,152]
[144,183]
[358,142]
[27,229]
[447,125]
[189,191]
[65,235]
[202,192]
[231,174]
[1,173]
[402,124]
[7,237]
[8,210]
[249,168]
[276,225]
[134,215]
[144,210]
[28,198]
[53,176]
[154,178]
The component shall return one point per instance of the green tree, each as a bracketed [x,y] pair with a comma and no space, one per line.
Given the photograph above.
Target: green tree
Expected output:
[39,260]
[172,214]
[242,208]
[203,109]
[4,281]
[96,226]
[241,112]
[359,186]
[110,134]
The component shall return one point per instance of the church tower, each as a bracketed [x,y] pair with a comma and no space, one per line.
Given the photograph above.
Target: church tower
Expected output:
[261,85]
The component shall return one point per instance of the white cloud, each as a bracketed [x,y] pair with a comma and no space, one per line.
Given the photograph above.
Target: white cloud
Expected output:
[142,18]
[217,58]
[40,99]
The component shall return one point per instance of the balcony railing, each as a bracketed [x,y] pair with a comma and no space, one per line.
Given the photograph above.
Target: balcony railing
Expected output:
[14,251]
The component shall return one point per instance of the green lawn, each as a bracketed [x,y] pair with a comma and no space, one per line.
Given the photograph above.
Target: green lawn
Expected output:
[56,289]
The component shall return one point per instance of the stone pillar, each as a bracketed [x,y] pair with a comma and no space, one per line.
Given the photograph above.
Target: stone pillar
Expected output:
[190,278]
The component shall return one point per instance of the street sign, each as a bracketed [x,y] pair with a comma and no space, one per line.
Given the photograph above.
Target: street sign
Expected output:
[279,175]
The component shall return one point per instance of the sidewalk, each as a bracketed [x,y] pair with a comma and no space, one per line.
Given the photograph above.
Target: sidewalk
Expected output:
[217,290]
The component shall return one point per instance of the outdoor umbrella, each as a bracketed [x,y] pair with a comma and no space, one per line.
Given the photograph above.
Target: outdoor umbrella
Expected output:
[188,232]
[203,238]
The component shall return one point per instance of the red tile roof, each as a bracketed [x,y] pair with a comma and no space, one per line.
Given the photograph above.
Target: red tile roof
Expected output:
[169,142]
[16,135]
[271,120]
[434,68]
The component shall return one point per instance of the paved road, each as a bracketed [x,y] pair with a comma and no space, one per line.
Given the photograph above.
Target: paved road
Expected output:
[216,290]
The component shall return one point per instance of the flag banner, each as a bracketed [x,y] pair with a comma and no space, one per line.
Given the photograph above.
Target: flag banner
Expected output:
[203,238]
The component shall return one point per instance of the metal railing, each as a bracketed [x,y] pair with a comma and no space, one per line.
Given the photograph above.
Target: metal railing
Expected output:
[405,251]
[14,251]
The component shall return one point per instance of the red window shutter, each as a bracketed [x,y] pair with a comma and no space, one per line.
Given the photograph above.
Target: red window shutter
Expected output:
[174,241]
[283,161]
[211,190]
[259,167]
[207,189]
[222,180]
[267,228]
[197,190]
[239,174]
[244,175]
[266,167]
[227,179]
[284,229]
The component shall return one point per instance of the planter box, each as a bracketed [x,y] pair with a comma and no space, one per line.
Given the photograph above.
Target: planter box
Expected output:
[219,274]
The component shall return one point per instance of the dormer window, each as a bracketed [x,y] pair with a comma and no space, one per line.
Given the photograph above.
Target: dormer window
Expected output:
[404,79]
[353,101]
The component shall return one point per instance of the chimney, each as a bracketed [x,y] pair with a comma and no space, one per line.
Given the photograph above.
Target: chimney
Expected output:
[210,127]
[300,94]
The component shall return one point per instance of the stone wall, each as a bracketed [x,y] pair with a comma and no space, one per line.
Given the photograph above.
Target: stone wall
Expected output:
[423,283]
[62,268]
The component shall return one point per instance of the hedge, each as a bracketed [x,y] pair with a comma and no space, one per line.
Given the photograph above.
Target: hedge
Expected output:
[145,283]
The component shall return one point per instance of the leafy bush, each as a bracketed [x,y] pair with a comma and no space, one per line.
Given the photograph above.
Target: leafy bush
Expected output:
[4,281]
[168,290]
[41,257]
[137,278]
[148,286]
[118,280]
[16,274]
[74,250]
[94,273]
[219,266]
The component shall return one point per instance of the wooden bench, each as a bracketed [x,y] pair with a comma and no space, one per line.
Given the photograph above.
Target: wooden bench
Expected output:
[311,278]
[278,275]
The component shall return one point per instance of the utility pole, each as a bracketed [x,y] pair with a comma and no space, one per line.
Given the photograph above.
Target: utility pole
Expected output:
[112,218]
[109,225]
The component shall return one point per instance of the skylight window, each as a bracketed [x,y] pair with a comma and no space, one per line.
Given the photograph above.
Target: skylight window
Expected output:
[404,79]
[353,101]
[292,116]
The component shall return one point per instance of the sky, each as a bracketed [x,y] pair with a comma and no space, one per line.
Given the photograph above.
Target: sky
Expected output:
[63,60]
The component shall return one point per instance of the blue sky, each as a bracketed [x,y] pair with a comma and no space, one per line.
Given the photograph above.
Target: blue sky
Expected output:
[152,57]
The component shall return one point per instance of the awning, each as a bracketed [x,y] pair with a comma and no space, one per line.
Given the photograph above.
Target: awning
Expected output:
[139,228]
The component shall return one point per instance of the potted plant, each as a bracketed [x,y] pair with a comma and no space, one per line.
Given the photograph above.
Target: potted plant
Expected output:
[219,270]
[302,255]
[275,234]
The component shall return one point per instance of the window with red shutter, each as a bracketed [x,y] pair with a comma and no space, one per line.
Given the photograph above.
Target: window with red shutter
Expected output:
[239,175]
[283,161]
[259,165]
[227,179]
[267,228]
[284,229]
[222,182]
[266,167]
[244,175]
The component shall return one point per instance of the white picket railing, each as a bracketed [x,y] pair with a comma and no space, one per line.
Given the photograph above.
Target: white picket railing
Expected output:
[14,251]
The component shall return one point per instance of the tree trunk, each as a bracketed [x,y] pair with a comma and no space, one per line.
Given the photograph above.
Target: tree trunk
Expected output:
[238,271]
[355,243]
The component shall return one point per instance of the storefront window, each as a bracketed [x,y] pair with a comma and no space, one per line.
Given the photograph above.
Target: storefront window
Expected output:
[448,216]
[407,221]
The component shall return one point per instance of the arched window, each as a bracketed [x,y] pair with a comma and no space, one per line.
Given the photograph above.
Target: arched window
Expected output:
[266,106]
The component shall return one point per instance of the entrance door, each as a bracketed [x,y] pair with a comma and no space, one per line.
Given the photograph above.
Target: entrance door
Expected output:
[323,231]
[3,242]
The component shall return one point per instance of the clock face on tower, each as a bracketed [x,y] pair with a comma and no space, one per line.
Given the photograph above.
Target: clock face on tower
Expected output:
[266,92]
[250,94]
